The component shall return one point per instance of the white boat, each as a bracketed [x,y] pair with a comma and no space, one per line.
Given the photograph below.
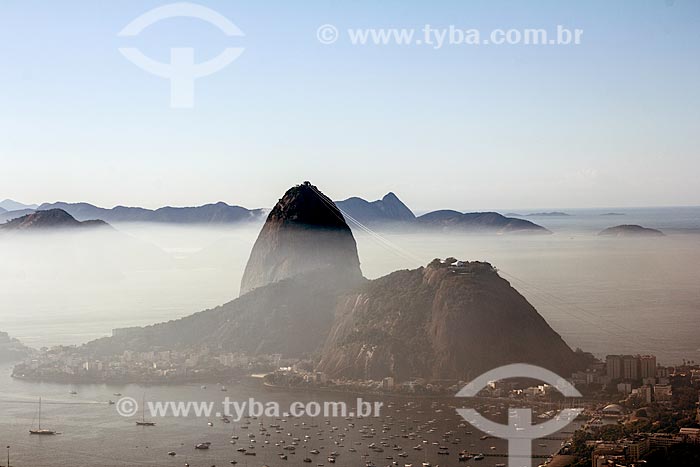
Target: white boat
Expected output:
[143,421]
[41,431]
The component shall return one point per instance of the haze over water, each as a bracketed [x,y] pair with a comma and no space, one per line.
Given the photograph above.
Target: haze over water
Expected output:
[605,295]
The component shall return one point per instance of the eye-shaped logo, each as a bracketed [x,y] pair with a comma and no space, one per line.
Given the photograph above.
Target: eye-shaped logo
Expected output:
[182,70]
[520,431]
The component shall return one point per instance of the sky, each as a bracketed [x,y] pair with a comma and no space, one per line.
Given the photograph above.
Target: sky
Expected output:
[612,121]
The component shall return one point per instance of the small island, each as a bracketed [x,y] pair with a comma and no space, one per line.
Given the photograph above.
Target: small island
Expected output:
[631,231]
[540,214]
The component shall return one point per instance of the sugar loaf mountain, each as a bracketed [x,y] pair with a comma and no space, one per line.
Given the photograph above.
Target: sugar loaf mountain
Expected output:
[303,295]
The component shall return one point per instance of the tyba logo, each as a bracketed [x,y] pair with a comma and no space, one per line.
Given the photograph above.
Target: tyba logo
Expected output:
[520,431]
[182,71]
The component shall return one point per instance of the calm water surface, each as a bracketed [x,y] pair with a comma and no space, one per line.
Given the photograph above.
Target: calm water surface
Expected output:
[93,434]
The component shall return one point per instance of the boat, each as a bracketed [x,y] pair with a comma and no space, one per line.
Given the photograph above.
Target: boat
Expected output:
[143,421]
[171,453]
[41,431]
[479,457]
[111,402]
[73,392]
[204,445]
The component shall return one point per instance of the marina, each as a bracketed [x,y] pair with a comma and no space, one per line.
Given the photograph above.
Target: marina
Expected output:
[413,432]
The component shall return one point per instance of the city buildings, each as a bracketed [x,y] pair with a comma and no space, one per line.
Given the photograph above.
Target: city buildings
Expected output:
[630,367]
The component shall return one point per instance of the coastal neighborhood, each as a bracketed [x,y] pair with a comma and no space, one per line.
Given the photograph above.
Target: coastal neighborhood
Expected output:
[634,409]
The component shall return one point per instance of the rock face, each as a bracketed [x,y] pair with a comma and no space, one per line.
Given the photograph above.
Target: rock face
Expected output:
[631,231]
[304,232]
[52,219]
[439,322]
[388,209]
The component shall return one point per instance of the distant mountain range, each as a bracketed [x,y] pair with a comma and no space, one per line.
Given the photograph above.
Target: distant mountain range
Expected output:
[454,221]
[389,211]
[219,213]
[9,215]
[12,205]
[540,214]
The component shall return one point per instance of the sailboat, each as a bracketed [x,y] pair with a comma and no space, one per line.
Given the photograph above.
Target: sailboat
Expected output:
[143,421]
[41,431]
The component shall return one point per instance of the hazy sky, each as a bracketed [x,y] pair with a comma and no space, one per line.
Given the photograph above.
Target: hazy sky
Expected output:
[611,122]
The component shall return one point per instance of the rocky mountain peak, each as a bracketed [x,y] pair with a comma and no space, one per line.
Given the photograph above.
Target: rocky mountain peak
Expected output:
[306,206]
[460,318]
[46,220]
[304,232]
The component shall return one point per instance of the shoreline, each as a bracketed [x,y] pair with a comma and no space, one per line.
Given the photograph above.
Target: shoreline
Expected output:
[124,382]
